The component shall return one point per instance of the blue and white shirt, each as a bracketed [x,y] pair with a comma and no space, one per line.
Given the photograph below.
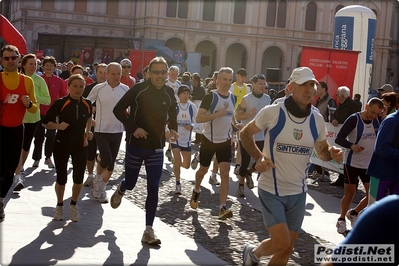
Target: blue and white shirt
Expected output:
[186,114]
[355,131]
[288,143]
[219,129]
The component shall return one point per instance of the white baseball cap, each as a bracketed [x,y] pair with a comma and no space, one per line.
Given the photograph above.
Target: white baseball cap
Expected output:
[126,62]
[302,74]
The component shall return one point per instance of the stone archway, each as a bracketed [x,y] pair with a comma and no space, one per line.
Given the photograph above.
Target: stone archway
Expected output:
[273,64]
[236,56]
[175,44]
[209,53]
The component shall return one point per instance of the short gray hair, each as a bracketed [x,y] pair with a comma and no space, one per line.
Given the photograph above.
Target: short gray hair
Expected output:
[174,68]
[344,91]
[228,70]
[114,64]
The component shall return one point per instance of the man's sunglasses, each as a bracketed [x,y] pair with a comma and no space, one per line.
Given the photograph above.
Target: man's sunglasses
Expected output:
[157,72]
[127,67]
[7,58]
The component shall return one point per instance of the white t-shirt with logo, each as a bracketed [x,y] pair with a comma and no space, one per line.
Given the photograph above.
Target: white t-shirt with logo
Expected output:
[288,143]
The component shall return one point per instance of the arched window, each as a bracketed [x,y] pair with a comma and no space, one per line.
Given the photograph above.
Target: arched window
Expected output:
[240,7]
[338,8]
[271,13]
[311,16]
[208,13]
[281,14]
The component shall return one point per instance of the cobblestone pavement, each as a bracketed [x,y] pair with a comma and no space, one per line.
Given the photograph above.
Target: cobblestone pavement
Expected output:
[226,238]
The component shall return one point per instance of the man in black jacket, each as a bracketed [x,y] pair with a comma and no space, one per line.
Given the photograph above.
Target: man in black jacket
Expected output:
[152,104]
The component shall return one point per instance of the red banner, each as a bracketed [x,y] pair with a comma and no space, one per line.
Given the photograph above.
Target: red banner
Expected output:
[140,59]
[333,66]
[87,52]
[39,54]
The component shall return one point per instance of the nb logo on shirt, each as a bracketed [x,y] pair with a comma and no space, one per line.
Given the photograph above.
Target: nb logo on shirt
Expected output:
[11,98]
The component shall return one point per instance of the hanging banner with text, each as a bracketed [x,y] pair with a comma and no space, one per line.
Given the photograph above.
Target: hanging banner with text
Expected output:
[331,133]
[333,66]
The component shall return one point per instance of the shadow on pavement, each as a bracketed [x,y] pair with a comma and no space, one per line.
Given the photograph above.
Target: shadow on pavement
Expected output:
[59,240]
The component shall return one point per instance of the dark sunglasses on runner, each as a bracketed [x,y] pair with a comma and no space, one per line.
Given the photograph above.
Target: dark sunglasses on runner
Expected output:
[7,58]
[157,72]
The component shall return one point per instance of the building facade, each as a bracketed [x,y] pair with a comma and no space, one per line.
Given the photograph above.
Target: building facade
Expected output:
[262,36]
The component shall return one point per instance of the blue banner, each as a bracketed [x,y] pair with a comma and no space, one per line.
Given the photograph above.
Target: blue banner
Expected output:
[343,33]
[370,40]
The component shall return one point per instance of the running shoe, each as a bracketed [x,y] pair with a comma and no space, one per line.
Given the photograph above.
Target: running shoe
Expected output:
[89,181]
[248,258]
[341,226]
[224,213]
[351,217]
[49,163]
[59,213]
[178,189]
[117,197]
[103,195]
[213,180]
[36,163]
[96,186]
[19,184]
[194,199]
[240,191]
[150,238]
[237,169]
[249,181]
[74,212]
[194,162]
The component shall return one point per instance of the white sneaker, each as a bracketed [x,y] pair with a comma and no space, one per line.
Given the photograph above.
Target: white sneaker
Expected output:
[96,187]
[351,218]
[103,194]
[178,189]
[213,180]
[59,213]
[341,226]
[248,258]
[150,238]
[74,212]
[89,181]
